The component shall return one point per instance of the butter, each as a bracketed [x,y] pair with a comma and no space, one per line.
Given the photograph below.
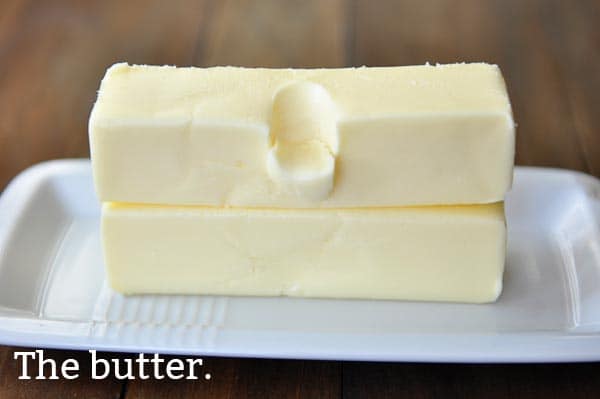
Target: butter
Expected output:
[303,138]
[428,253]
[310,183]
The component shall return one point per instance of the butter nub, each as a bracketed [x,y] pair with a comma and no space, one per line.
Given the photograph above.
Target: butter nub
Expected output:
[303,138]
[428,253]
[304,141]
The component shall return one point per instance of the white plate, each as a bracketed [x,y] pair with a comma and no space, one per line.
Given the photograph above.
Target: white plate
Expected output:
[53,291]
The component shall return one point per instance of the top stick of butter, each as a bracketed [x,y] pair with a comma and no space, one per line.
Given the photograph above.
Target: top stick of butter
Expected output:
[303,138]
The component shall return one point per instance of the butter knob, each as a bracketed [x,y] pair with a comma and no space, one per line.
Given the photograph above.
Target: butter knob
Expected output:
[304,141]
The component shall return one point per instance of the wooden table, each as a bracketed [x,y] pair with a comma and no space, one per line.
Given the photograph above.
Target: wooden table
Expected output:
[53,54]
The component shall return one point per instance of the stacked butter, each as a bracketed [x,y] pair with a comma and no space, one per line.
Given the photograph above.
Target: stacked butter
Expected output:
[379,183]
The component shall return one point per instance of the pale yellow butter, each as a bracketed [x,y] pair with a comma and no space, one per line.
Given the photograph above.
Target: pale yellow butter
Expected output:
[290,138]
[429,253]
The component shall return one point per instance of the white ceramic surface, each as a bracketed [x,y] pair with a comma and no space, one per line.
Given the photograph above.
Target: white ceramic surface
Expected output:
[53,291]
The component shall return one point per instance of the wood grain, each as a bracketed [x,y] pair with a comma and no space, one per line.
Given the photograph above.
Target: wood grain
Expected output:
[397,380]
[273,33]
[250,378]
[53,54]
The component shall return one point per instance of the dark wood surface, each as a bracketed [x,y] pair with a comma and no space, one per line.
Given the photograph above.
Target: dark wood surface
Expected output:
[53,54]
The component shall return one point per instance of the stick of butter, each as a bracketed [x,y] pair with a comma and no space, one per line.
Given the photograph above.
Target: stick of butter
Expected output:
[303,138]
[421,253]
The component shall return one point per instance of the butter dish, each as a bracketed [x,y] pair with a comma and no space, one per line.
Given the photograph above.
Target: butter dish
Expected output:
[53,289]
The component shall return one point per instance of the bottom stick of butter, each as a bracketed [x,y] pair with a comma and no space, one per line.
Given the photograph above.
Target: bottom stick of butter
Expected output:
[420,253]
